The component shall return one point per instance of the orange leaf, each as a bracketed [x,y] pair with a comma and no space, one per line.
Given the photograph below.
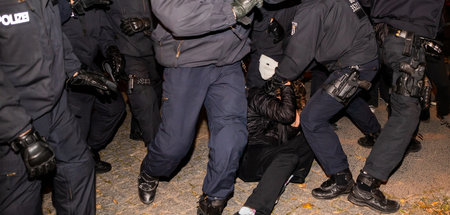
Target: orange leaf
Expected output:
[302,185]
[308,205]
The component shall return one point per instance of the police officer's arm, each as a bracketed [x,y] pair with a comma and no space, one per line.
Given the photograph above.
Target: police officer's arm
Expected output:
[77,76]
[105,34]
[71,62]
[114,60]
[14,120]
[17,131]
[302,46]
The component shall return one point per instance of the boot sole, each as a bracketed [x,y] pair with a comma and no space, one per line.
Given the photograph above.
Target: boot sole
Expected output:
[356,201]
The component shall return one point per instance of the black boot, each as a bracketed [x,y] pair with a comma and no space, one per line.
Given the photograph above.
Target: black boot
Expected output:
[209,206]
[147,187]
[369,140]
[366,192]
[414,146]
[338,184]
[100,166]
[299,176]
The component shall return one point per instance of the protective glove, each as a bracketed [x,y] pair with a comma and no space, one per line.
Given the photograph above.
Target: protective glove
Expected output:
[242,7]
[37,155]
[95,80]
[274,82]
[80,6]
[130,26]
[115,63]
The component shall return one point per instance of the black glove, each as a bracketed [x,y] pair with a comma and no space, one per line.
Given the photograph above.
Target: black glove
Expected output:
[80,6]
[37,155]
[130,26]
[276,30]
[274,82]
[242,7]
[95,80]
[116,63]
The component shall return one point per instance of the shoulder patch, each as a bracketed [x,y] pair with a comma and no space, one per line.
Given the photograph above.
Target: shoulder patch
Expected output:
[294,27]
[356,8]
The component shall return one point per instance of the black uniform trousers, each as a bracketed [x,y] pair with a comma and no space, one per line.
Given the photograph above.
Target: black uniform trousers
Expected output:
[221,90]
[322,107]
[438,75]
[272,166]
[74,180]
[395,137]
[145,98]
[98,117]
[359,111]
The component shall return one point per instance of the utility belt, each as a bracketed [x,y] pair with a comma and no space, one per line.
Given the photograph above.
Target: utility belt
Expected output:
[133,80]
[430,46]
[413,82]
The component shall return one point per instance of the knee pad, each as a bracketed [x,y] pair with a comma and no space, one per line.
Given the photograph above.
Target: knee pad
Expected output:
[343,88]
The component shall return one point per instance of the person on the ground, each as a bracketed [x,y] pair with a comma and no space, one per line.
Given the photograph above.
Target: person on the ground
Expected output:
[277,152]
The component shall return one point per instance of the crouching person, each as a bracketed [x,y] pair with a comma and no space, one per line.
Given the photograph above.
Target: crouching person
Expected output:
[277,151]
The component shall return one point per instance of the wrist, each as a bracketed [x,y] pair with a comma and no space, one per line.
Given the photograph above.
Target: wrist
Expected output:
[25,139]
[25,132]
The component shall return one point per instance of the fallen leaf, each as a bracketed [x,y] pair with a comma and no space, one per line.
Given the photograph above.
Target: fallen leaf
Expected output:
[360,157]
[98,206]
[302,185]
[115,201]
[307,205]
[293,198]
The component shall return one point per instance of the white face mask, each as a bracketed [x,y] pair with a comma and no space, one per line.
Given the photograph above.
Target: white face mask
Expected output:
[267,66]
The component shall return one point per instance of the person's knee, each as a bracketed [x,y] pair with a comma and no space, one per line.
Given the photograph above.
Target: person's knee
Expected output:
[310,122]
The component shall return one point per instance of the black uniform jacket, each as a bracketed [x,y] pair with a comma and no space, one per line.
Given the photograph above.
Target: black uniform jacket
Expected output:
[336,33]
[419,16]
[32,58]
[198,33]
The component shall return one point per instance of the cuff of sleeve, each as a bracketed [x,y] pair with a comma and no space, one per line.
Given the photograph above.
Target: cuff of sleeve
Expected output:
[287,69]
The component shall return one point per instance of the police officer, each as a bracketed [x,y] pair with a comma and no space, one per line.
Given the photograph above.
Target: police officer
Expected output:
[39,134]
[337,34]
[98,116]
[270,31]
[405,30]
[201,46]
[130,21]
